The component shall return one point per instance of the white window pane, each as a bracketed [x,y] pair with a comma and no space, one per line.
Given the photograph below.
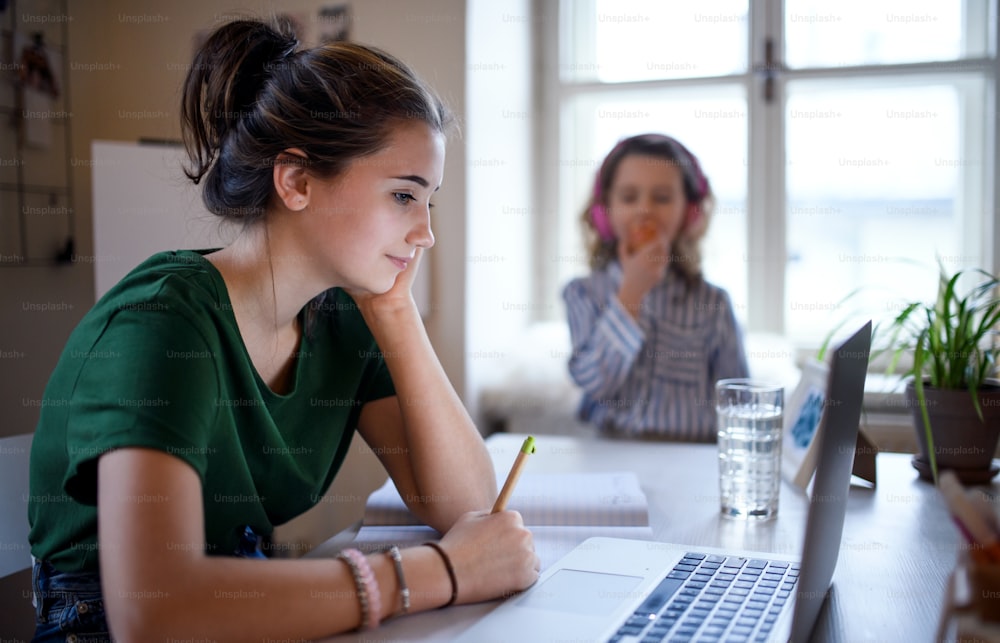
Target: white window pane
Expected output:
[626,40]
[820,33]
[711,122]
[875,181]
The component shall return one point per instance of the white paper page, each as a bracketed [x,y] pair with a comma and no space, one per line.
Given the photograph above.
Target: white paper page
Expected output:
[582,499]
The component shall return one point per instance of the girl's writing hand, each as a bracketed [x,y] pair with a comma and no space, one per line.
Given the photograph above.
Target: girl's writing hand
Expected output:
[493,555]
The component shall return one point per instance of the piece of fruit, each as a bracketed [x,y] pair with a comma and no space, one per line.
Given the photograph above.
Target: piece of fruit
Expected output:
[640,233]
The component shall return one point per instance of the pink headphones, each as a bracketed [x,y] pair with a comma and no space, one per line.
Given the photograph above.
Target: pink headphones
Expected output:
[643,144]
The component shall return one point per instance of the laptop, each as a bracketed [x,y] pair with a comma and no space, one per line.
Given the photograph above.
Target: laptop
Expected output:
[621,590]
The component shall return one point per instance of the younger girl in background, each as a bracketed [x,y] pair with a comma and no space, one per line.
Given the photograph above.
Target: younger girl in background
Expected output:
[650,336]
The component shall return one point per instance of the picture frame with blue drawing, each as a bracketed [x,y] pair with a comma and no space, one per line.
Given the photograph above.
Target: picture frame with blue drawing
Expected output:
[802,423]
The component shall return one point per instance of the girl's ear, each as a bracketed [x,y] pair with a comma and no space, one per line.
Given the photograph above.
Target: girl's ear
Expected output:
[291,182]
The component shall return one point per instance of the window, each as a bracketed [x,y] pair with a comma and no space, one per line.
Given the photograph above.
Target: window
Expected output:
[849,144]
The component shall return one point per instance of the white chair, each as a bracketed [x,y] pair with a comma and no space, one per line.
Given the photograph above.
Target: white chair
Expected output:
[16,614]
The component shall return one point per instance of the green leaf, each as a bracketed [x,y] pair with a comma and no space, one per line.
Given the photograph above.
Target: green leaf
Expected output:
[954,340]
[918,387]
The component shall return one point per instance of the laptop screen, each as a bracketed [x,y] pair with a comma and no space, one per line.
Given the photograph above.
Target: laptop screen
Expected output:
[828,503]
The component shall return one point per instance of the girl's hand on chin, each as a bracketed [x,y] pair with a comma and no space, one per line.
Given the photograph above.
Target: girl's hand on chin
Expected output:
[397,298]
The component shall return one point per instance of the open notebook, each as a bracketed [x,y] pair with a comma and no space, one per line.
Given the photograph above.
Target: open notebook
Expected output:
[561,510]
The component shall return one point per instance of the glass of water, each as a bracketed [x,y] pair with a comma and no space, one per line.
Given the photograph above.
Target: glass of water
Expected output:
[749,419]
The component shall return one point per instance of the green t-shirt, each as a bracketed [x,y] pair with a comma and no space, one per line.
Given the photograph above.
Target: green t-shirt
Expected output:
[159,362]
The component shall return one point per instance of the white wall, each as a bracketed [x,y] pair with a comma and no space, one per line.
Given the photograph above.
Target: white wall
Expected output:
[498,291]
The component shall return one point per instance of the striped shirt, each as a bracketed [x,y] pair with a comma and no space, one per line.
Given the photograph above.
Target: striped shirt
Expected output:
[652,376]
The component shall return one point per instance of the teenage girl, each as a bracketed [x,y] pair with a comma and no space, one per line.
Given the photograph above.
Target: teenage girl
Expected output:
[214,394]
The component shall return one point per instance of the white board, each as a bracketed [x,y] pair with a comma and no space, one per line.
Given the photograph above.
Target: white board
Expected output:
[14,454]
[144,204]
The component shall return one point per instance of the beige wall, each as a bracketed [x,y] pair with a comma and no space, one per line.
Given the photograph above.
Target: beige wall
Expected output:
[142,49]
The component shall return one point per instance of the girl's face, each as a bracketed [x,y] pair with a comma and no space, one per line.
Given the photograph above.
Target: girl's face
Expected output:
[646,200]
[366,224]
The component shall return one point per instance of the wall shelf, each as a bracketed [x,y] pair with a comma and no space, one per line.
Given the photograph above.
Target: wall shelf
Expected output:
[37,214]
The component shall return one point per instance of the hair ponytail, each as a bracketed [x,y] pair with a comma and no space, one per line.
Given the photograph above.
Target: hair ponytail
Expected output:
[223,82]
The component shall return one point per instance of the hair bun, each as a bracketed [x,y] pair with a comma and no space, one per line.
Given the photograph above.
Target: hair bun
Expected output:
[228,73]
[266,49]
[284,39]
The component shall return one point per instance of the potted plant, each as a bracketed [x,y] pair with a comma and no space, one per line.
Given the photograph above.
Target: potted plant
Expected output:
[953,393]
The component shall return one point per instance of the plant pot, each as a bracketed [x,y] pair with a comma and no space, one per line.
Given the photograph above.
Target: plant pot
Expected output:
[962,442]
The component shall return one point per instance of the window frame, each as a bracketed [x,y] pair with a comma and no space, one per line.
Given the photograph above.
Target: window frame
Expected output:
[766,232]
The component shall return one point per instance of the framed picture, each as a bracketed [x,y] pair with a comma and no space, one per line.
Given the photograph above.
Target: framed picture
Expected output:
[803,415]
[335,23]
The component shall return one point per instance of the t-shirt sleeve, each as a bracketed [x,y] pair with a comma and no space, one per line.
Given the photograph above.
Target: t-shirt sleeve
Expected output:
[377,383]
[148,381]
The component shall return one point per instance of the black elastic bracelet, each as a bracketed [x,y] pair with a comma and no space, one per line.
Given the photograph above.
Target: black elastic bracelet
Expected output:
[451,571]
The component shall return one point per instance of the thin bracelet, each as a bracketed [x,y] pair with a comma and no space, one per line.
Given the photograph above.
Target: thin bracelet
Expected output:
[451,571]
[404,591]
[369,596]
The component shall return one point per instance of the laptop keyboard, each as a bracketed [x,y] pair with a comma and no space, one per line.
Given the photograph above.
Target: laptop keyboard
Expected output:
[713,598]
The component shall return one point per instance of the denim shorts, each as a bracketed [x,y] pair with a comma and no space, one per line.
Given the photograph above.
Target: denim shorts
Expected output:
[68,605]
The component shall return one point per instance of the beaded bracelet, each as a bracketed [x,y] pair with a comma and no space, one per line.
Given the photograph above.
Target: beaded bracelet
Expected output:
[404,591]
[369,596]
[451,571]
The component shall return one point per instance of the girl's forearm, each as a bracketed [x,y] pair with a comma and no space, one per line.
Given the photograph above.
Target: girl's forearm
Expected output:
[452,470]
[230,599]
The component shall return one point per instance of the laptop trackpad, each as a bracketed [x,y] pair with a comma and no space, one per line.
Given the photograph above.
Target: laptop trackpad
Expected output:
[571,590]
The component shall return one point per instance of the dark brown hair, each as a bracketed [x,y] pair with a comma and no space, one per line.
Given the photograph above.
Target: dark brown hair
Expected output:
[251,94]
